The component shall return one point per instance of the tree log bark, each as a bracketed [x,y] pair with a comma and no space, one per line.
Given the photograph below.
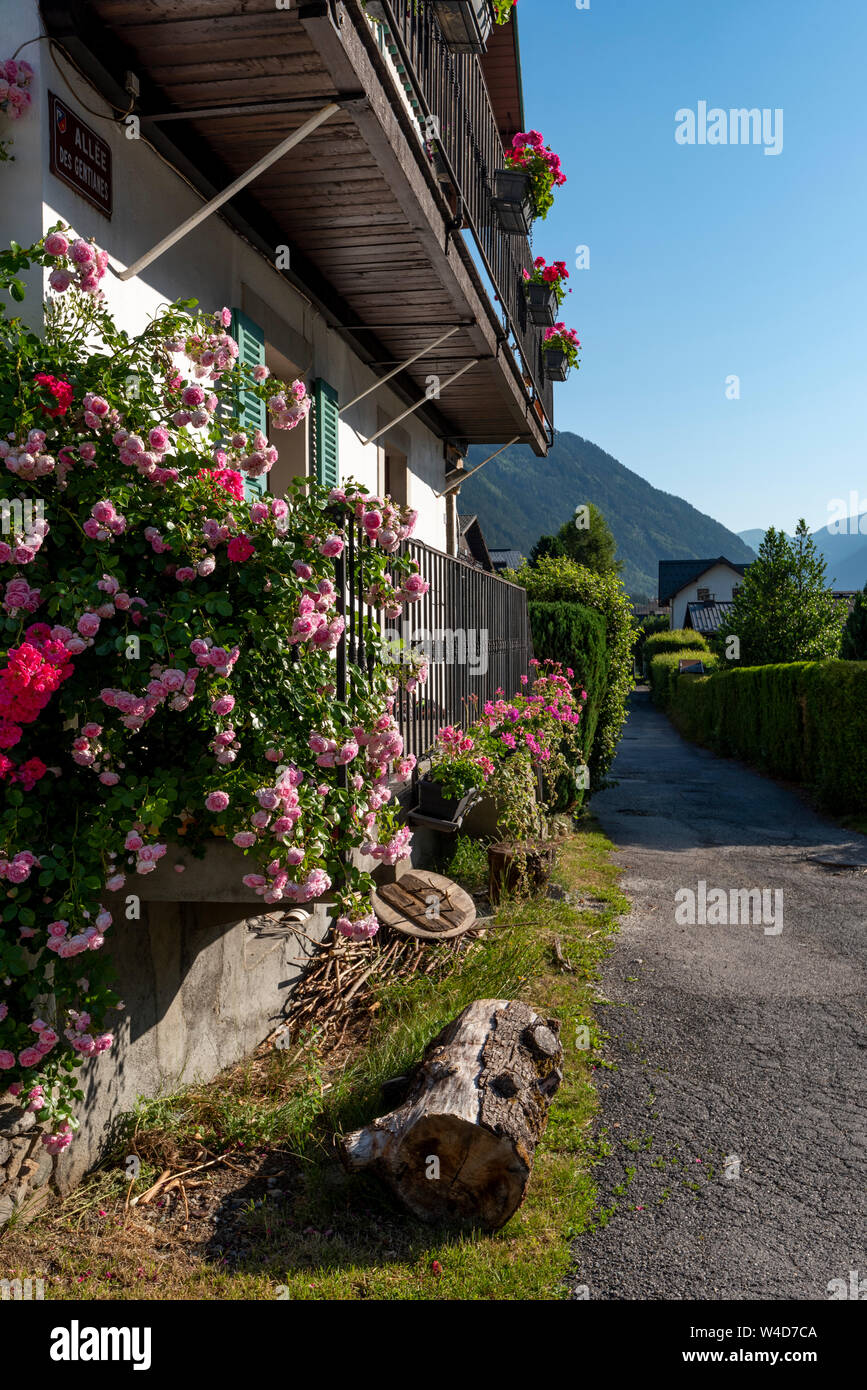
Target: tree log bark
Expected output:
[461,1146]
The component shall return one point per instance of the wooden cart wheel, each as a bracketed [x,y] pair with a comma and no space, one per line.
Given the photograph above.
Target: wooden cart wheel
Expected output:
[426,905]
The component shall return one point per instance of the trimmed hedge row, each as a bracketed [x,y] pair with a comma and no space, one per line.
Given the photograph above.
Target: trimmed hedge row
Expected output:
[676,639]
[663,671]
[805,721]
[576,637]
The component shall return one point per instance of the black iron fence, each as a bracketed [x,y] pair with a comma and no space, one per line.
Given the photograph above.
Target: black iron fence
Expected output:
[473,627]
[450,88]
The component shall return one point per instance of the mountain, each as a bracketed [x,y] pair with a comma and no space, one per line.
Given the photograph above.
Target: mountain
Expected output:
[519,497]
[844,553]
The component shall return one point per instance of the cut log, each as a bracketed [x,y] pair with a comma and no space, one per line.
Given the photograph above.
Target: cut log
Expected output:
[461,1146]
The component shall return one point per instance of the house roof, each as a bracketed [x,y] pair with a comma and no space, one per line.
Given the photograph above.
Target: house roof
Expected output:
[674,575]
[506,559]
[471,544]
[707,617]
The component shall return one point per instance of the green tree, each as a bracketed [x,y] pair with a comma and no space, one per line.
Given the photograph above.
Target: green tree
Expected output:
[854,645]
[784,610]
[586,539]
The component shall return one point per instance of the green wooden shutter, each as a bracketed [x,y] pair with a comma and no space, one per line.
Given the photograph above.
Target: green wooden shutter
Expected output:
[327,421]
[251,411]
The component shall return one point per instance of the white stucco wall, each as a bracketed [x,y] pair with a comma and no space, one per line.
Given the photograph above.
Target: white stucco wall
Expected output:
[720,580]
[212,264]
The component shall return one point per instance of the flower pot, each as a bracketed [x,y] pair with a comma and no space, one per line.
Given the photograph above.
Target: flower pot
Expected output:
[438,162]
[542,305]
[434,805]
[520,868]
[512,201]
[556,364]
[465,24]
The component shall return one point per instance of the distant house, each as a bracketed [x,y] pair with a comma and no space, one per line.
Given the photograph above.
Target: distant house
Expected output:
[506,559]
[699,593]
[471,544]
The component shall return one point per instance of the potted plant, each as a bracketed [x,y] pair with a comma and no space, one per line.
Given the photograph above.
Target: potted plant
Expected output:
[541,169]
[560,351]
[512,201]
[545,290]
[434,153]
[457,771]
[465,24]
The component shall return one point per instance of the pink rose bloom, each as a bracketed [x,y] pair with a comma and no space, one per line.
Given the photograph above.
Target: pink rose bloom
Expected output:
[56,244]
[88,625]
[60,280]
[331,547]
[192,396]
[158,439]
[216,801]
[115,883]
[253,881]
[185,574]
[245,839]
[29,1057]
[224,704]
[82,252]
[7,1060]
[206,566]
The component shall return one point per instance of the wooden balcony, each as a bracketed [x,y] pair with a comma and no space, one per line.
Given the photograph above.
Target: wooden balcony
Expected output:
[391,255]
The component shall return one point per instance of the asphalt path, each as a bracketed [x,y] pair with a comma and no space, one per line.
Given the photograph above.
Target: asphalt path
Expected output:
[733,1118]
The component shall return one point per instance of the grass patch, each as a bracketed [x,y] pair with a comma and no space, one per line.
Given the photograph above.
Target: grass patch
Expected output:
[285,1221]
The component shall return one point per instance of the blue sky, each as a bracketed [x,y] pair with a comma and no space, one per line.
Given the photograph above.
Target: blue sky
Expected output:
[712,261]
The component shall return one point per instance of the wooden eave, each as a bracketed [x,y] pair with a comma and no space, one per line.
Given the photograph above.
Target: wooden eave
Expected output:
[367,225]
[501,66]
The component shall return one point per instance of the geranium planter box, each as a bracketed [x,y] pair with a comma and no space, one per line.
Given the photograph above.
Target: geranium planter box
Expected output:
[465,24]
[512,201]
[542,305]
[556,364]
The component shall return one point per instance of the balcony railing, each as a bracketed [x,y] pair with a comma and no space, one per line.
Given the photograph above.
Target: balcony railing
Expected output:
[447,95]
[474,626]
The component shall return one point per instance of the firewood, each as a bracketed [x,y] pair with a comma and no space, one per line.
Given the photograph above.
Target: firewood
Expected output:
[461,1146]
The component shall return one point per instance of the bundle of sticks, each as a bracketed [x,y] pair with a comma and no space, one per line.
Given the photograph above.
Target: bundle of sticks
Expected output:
[338,986]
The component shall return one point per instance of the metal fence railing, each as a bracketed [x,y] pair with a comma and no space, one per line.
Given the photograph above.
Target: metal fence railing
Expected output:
[473,626]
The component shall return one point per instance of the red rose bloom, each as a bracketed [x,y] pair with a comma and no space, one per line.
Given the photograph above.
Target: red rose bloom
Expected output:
[59,389]
[241,548]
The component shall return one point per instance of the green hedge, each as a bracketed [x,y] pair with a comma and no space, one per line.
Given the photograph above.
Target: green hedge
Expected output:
[663,671]
[676,639]
[805,721]
[575,636]
[556,580]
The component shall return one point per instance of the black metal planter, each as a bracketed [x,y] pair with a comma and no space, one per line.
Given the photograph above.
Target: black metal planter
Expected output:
[435,155]
[556,364]
[465,24]
[512,201]
[542,305]
[439,811]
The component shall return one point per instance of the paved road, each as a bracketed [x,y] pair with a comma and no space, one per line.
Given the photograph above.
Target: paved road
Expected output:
[729,1041]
